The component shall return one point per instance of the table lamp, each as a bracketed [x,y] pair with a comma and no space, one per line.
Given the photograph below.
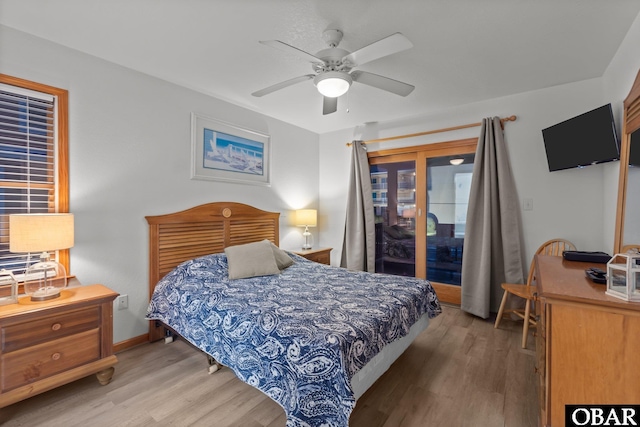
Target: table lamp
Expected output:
[307,218]
[41,233]
[409,215]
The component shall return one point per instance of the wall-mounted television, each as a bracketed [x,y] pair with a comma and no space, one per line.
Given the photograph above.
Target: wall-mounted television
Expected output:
[583,140]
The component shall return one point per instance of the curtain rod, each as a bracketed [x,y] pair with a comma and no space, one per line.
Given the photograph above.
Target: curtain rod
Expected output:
[411,135]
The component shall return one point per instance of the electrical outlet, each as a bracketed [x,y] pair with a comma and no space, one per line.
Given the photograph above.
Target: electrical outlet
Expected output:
[122,302]
[527,204]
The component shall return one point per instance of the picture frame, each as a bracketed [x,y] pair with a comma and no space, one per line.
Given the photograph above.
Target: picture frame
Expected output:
[221,151]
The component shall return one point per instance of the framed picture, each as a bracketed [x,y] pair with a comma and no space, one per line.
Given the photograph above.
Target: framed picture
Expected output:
[223,152]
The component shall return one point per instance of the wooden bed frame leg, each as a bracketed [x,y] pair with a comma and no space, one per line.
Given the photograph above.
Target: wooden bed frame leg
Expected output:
[214,366]
[168,336]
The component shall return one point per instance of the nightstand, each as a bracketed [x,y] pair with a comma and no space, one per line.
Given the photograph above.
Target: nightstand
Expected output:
[44,345]
[322,256]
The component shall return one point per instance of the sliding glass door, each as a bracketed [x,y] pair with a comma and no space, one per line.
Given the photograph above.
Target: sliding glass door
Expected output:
[448,186]
[394,204]
[420,197]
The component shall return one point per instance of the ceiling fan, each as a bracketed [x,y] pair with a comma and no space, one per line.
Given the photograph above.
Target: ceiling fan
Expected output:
[333,67]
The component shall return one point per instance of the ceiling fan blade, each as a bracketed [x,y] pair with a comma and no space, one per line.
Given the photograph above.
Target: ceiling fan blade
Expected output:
[329,105]
[282,85]
[291,49]
[384,83]
[389,45]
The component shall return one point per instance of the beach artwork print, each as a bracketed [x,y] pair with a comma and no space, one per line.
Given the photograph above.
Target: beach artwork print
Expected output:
[226,152]
[221,151]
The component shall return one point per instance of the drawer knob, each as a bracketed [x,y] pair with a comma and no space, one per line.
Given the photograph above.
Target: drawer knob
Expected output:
[55,356]
[56,326]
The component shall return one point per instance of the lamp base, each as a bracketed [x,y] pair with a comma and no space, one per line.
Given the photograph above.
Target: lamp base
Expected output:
[45,294]
[308,239]
[45,280]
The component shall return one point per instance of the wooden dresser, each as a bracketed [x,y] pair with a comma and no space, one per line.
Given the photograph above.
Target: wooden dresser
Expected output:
[47,344]
[588,343]
[322,255]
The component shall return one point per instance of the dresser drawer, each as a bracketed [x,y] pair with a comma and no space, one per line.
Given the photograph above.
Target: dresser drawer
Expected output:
[50,343]
[25,334]
[323,258]
[40,361]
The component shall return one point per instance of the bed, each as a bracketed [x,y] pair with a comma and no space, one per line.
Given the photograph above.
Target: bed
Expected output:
[312,337]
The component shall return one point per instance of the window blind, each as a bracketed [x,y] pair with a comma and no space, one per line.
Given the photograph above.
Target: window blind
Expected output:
[27,161]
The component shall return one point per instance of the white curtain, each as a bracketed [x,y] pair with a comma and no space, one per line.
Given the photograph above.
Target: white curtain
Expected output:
[359,245]
[492,250]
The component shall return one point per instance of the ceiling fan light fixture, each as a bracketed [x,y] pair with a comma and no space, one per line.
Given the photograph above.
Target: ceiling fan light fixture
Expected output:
[333,84]
[456,161]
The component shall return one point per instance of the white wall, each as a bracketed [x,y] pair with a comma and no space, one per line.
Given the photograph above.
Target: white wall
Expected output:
[129,147]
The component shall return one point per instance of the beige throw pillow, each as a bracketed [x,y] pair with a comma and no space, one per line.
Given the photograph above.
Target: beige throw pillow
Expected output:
[282,258]
[251,260]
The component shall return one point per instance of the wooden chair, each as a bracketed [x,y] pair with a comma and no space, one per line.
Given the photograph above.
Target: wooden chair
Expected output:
[553,247]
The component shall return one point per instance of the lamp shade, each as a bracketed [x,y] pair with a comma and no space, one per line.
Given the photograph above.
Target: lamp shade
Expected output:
[40,232]
[409,213]
[333,84]
[306,217]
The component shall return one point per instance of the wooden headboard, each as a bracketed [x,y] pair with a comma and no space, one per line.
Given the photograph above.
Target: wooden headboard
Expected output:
[202,230]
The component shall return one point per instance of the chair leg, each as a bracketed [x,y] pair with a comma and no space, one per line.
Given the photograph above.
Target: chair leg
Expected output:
[525,327]
[501,310]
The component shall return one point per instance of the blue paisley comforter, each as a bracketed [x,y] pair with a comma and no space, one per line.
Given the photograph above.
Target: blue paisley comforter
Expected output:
[298,336]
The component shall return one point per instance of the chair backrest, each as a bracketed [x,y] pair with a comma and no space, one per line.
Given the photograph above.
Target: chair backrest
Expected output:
[553,247]
[630,248]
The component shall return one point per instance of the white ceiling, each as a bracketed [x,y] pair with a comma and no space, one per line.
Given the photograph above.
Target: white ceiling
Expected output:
[464,50]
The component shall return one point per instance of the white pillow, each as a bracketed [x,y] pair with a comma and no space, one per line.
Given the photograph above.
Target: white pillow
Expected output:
[251,260]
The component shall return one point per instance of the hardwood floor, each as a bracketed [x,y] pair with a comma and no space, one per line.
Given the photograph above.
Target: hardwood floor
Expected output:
[459,372]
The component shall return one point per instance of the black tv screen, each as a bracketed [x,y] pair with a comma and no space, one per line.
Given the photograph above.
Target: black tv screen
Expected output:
[584,140]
